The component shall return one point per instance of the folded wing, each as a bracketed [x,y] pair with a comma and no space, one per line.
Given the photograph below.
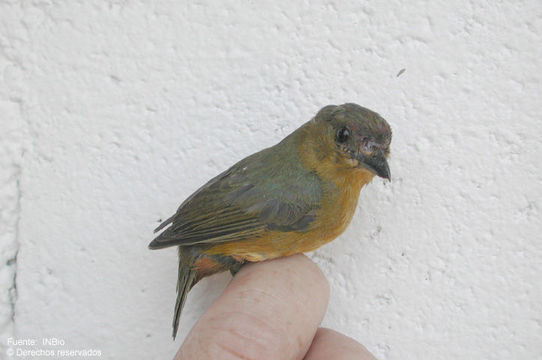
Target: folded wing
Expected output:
[254,196]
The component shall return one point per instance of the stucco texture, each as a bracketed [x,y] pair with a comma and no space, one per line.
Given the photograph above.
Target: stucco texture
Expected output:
[113,112]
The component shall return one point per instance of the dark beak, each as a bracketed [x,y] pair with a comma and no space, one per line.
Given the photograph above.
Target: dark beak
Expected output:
[377,164]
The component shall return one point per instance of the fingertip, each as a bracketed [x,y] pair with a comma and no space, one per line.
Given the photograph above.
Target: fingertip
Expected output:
[269,310]
[296,268]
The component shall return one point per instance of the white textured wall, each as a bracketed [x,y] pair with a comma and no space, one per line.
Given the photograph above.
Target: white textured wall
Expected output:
[113,112]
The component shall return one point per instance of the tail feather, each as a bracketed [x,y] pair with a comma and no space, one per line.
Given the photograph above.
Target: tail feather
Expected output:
[184,284]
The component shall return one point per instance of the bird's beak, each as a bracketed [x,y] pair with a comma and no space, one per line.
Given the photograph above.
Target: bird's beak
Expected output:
[377,164]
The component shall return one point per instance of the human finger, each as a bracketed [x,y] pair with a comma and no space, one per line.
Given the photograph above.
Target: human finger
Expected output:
[270,310]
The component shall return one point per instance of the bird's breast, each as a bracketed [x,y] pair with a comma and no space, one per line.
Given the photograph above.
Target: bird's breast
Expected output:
[338,207]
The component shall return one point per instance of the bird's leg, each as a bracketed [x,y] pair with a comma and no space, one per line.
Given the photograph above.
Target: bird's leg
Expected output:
[234,269]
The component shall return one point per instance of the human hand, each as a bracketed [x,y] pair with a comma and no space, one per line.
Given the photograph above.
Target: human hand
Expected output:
[271,310]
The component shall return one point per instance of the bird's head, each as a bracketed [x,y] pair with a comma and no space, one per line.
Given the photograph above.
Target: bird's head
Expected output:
[359,138]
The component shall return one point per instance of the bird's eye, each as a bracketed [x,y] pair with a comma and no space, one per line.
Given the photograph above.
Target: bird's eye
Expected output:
[343,135]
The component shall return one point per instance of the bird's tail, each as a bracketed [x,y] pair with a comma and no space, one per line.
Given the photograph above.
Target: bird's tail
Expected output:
[185,282]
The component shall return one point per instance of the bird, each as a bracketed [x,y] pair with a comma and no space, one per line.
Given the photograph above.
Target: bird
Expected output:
[290,198]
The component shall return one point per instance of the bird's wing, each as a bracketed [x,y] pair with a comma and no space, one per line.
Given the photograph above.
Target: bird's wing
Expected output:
[254,196]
